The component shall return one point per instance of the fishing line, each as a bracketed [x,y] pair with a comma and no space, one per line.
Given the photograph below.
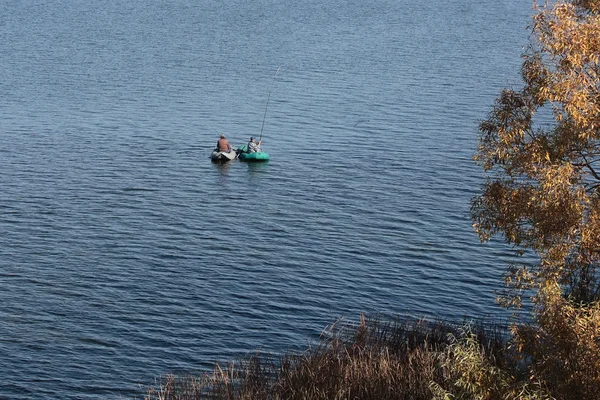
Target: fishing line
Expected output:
[267,105]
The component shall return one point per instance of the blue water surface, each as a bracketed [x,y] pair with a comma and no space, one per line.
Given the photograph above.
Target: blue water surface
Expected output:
[125,254]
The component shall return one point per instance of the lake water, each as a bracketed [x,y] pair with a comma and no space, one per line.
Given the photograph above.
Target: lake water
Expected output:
[125,254]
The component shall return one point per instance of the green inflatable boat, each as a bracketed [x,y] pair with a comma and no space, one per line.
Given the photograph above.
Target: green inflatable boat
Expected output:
[259,156]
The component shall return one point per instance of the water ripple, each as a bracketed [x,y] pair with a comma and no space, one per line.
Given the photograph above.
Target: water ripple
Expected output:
[126,254]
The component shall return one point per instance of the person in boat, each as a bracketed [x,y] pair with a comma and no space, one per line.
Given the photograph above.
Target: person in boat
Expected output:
[254,147]
[223,144]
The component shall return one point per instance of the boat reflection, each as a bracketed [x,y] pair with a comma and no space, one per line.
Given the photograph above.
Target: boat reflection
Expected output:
[223,168]
[257,168]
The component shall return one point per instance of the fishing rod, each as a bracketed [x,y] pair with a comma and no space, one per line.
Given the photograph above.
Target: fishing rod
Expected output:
[267,105]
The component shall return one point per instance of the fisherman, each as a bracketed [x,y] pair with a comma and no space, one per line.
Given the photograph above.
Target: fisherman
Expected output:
[254,147]
[223,144]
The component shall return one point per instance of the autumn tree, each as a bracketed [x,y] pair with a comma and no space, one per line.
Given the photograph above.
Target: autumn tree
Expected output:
[540,147]
[543,191]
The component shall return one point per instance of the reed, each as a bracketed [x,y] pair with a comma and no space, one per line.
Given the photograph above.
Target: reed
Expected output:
[369,360]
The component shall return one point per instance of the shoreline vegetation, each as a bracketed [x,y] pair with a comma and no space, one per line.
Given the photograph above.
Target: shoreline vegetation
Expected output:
[375,359]
[542,195]
[387,359]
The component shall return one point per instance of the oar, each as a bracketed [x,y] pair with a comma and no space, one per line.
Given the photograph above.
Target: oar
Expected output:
[267,105]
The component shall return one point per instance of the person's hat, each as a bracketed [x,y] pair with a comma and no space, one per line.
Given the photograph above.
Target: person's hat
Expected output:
[251,137]
[223,136]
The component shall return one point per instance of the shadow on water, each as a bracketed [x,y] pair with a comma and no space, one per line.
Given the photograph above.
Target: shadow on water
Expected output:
[257,168]
[223,168]
[254,168]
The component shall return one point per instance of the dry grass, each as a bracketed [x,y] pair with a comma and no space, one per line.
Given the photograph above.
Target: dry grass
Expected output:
[373,360]
[417,359]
